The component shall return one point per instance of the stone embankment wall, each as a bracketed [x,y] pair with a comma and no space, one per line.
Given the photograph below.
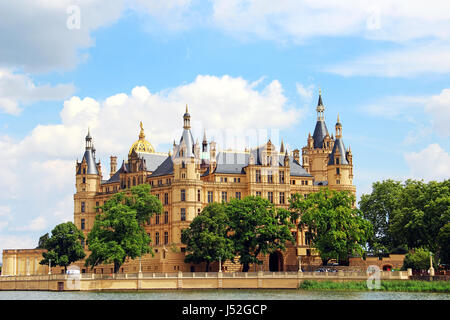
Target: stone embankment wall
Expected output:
[182,280]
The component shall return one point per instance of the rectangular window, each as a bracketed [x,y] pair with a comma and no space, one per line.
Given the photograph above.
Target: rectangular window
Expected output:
[183,214]
[166,217]
[97,204]
[281,197]
[338,181]
[224,196]
[157,218]
[84,180]
[303,182]
[238,195]
[83,206]
[292,181]
[269,176]
[83,224]
[281,177]
[166,198]
[337,170]
[166,237]
[156,238]
[210,197]
[270,196]
[258,176]
[198,195]
[183,195]
[258,193]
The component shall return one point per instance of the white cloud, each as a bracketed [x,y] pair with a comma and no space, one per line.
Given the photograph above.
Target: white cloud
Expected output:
[432,163]
[19,89]
[297,20]
[405,62]
[306,93]
[438,108]
[415,109]
[37,224]
[35,36]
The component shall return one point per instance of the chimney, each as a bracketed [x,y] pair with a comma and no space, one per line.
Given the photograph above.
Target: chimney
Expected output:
[113,166]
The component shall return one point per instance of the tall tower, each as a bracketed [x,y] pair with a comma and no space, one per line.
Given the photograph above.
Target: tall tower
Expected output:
[318,147]
[340,164]
[88,179]
[186,186]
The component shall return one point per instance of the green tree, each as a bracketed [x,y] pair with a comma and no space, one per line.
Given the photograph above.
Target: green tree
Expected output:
[63,246]
[206,237]
[443,241]
[336,228]
[418,259]
[422,211]
[378,207]
[118,232]
[257,227]
[42,241]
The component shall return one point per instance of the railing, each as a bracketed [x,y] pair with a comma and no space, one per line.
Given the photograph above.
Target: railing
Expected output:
[265,274]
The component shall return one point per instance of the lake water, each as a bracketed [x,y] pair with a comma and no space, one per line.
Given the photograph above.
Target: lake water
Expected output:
[222,295]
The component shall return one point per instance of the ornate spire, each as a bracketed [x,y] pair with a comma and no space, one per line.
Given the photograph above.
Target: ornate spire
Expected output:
[338,128]
[141,134]
[320,107]
[187,119]
[282,146]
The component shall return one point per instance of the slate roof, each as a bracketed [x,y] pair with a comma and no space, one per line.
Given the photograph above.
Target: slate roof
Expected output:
[165,168]
[235,162]
[152,161]
[320,131]
[90,161]
[338,145]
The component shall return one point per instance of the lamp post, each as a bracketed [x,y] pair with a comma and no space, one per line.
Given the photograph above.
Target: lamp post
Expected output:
[431,270]
[49,266]
[220,264]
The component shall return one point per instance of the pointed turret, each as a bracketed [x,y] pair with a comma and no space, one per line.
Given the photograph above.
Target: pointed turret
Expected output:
[89,157]
[339,153]
[320,131]
[282,146]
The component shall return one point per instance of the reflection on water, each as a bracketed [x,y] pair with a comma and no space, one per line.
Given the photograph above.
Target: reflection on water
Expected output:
[222,295]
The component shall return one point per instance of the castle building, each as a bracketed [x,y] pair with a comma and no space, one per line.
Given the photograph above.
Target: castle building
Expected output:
[192,176]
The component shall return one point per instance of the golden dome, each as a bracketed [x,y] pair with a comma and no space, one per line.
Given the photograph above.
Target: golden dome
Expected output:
[142,145]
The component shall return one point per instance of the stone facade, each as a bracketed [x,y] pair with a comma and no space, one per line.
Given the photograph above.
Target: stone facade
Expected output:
[194,175]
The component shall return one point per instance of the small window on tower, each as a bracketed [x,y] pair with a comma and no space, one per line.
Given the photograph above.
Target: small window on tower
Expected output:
[337,160]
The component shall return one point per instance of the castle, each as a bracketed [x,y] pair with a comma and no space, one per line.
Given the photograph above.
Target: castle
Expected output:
[194,175]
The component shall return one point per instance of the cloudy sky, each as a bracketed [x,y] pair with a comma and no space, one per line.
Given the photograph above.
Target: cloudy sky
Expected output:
[242,66]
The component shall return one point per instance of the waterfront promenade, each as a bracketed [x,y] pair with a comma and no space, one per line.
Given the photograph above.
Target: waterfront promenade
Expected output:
[183,280]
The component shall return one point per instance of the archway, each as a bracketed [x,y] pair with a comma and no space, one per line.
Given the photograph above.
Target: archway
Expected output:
[276,261]
[387,267]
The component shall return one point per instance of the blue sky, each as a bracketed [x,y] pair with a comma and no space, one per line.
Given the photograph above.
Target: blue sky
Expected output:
[239,65]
